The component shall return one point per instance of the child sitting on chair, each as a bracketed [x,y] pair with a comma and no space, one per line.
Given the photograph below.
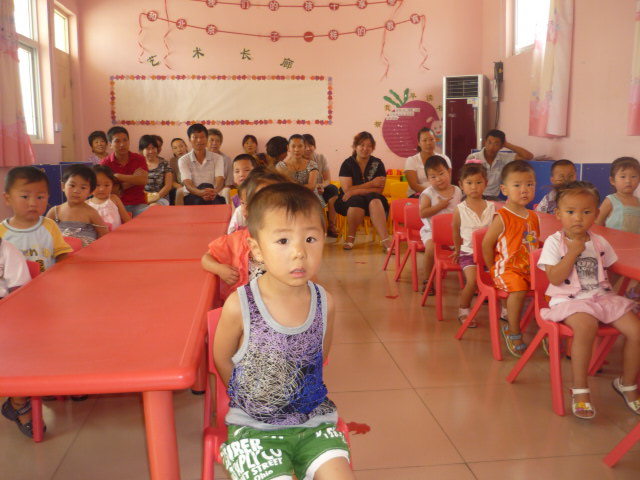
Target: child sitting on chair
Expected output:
[472,214]
[576,261]
[269,347]
[439,197]
[513,233]
[562,173]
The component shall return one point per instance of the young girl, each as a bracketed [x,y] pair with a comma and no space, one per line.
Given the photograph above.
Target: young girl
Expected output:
[74,217]
[160,177]
[576,261]
[471,214]
[228,256]
[621,210]
[439,197]
[108,205]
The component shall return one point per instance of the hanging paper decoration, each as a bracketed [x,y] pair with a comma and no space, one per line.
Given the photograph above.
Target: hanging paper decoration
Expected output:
[307,5]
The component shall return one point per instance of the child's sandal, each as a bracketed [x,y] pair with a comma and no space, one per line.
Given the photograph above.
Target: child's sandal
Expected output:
[583,410]
[515,350]
[617,385]
[13,414]
[386,244]
[348,245]
[463,313]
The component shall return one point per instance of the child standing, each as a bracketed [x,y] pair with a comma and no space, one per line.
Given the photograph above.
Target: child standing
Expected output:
[470,215]
[576,261]
[108,205]
[270,344]
[26,191]
[562,173]
[513,233]
[439,197]
[621,210]
[74,217]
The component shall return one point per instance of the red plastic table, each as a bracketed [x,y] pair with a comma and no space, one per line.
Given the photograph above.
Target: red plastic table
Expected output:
[107,327]
[161,215]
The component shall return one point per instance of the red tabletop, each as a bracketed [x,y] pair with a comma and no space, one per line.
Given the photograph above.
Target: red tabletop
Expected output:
[176,214]
[143,242]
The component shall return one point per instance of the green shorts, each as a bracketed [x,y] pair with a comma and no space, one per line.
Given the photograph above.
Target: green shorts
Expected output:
[251,454]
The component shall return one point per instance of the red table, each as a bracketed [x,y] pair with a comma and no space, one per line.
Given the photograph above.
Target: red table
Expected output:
[107,327]
[161,215]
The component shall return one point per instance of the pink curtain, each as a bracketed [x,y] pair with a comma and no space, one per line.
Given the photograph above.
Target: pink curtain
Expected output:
[633,127]
[15,146]
[551,72]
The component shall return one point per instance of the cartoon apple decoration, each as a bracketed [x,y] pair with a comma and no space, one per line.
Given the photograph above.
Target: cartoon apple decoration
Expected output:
[401,125]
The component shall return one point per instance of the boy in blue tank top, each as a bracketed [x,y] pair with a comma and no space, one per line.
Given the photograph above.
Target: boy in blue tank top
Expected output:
[271,340]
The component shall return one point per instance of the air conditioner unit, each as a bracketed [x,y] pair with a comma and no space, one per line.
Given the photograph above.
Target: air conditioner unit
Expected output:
[464,119]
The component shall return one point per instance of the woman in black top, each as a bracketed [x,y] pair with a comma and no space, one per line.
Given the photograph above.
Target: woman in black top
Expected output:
[362,178]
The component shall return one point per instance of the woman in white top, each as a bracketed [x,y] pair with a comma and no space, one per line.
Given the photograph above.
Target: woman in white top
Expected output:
[414,166]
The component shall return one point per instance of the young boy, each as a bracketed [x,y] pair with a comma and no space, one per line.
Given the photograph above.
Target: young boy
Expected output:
[513,233]
[26,191]
[562,173]
[494,160]
[270,344]
[439,197]
[214,142]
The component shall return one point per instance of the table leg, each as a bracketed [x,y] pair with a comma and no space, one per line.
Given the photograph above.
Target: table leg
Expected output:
[162,448]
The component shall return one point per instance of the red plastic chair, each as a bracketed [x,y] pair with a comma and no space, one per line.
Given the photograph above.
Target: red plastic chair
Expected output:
[487,291]
[412,225]
[74,243]
[623,446]
[442,236]
[396,216]
[554,331]
[214,435]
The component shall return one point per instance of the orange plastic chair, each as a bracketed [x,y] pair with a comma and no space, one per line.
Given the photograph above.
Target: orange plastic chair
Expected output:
[487,291]
[442,236]
[74,243]
[398,231]
[554,331]
[214,435]
[621,448]
[412,225]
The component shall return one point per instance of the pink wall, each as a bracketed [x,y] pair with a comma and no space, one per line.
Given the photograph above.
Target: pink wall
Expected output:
[109,45]
[600,78]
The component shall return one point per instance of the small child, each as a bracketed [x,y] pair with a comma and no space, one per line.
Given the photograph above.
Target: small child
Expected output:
[239,216]
[242,166]
[98,143]
[74,217]
[562,173]
[471,214]
[108,205]
[179,149]
[439,197]
[214,142]
[26,191]
[228,256]
[269,347]
[576,261]
[276,149]
[513,233]
[621,210]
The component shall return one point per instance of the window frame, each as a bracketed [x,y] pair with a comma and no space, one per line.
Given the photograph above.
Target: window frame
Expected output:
[58,12]
[518,49]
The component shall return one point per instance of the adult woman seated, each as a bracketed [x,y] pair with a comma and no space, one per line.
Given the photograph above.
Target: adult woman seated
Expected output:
[414,166]
[362,178]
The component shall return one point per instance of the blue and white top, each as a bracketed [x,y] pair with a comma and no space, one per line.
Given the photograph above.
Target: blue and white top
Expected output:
[276,381]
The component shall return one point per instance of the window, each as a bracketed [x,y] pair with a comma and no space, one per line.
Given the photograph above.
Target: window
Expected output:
[527,16]
[61,31]
[26,28]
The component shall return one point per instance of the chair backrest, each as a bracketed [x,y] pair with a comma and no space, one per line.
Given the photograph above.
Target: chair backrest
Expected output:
[412,221]
[539,280]
[386,191]
[222,400]
[398,190]
[74,243]
[34,269]
[396,212]
[441,231]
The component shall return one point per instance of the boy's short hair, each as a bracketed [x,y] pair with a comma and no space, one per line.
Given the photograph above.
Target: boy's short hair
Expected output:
[499,134]
[103,169]
[291,197]
[113,131]
[29,174]
[623,163]
[469,169]
[196,128]
[260,175]
[97,134]
[146,140]
[245,156]
[517,166]
[562,163]
[176,139]
[308,139]
[214,132]
[276,146]
[435,161]
[577,188]
[296,136]
[82,171]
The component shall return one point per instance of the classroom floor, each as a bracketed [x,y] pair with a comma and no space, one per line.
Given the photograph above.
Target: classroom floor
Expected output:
[436,407]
